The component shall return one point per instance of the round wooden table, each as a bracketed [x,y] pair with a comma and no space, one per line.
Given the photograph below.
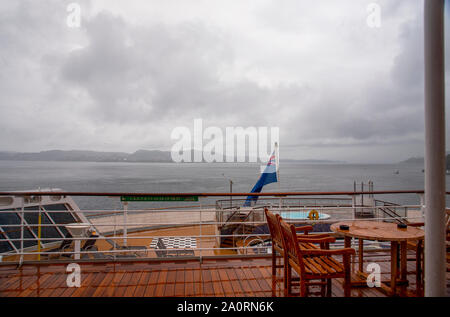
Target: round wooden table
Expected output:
[382,231]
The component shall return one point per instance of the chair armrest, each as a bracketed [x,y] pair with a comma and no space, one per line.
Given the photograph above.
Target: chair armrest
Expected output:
[91,248]
[305,229]
[316,240]
[313,236]
[64,248]
[345,251]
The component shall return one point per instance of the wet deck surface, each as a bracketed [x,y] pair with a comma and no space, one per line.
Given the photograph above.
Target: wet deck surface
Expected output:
[230,277]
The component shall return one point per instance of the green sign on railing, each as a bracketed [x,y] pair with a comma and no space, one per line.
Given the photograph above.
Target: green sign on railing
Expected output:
[158,198]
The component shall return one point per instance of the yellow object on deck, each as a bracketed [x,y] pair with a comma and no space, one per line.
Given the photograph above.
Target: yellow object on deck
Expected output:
[313,215]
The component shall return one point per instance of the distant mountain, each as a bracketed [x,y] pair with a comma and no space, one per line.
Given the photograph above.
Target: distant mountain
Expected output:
[150,156]
[421,160]
[138,156]
[312,161]
[89,156]
[415,160]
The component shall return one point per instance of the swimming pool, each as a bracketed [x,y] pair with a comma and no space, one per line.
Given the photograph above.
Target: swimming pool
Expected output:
[302,215]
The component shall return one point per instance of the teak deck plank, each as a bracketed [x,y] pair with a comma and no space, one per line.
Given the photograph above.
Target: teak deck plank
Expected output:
[198,282]
[109,291]
[217,285]
[179,282]
[207,283]
[169,289]
[104,284]
[90,290]
[142,284]
[263,285]
[237,288]
[133,283]
[232,277]
[58,283]
[122,286]
[189,287]
[34,286]
[51,283]
[226,284]
[160,285]
[152,283]
[244,282]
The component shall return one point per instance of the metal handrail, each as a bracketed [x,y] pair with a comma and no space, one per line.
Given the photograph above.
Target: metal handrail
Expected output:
[201,210]
[274,194]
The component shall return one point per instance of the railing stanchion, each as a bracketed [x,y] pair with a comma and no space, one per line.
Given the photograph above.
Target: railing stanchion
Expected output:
[39,234]
[422,204]
[125,214]
[22,223]
[114,236]
[39,227]
[353,206]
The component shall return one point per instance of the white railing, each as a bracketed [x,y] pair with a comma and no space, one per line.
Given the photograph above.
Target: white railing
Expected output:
[130,231]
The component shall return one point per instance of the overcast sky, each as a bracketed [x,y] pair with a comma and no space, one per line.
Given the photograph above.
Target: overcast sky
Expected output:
[136,69]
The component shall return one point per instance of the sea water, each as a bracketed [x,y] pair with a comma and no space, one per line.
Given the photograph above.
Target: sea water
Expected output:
[203,177]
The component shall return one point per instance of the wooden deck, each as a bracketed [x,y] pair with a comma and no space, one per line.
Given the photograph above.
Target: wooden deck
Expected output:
[214,277]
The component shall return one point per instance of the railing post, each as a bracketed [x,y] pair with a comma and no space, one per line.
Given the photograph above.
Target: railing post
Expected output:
[114,234]
[353,206]
[39,234]
[125,216]
[422,204]
[434,148]
[39,227]
[22,223]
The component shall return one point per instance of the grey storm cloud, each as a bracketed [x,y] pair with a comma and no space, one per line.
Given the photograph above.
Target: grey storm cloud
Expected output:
[149,73]
[134,71]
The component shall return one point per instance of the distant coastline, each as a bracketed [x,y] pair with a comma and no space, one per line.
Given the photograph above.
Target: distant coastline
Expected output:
[89,156]
[421,160]
[148,156]
[140,156]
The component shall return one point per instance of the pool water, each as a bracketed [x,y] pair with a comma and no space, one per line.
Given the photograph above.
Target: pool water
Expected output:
[302,215]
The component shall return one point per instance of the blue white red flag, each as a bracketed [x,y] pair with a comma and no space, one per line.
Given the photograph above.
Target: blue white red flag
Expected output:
[269,175]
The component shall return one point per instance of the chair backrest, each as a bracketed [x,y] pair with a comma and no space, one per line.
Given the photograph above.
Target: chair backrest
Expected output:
[290,242]
[274,229]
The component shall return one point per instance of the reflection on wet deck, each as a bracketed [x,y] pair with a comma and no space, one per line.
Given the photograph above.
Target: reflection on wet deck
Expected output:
[213,277]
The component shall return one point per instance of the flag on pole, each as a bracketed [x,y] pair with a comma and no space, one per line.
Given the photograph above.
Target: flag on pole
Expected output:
[269,175]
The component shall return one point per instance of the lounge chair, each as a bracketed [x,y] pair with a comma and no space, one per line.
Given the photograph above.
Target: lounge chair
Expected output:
[138,250]
[161,250]
[100,255]
[63,247]
[182,252]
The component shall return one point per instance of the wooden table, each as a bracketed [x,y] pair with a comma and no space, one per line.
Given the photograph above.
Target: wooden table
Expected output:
[382,231]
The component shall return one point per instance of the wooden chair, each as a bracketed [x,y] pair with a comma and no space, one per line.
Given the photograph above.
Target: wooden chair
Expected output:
[314,264]
[417,247]
[277,247]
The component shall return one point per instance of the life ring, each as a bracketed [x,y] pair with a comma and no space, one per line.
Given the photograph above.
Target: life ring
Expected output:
[313,215]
